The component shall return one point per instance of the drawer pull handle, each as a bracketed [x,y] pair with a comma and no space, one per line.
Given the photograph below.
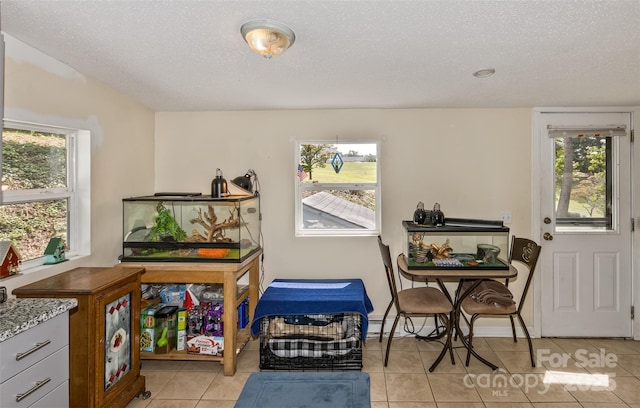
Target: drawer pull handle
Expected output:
[35,348]
[33,389]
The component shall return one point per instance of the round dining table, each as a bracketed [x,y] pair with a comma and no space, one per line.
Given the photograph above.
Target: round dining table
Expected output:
[475,275]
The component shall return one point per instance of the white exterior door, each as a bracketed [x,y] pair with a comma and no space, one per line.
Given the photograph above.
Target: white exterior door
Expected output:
[585,223]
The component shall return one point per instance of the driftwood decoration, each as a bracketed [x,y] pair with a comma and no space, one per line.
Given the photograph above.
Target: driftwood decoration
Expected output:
[443,251]
[215,231]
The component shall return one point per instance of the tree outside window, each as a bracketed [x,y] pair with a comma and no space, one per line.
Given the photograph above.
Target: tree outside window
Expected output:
[584,181]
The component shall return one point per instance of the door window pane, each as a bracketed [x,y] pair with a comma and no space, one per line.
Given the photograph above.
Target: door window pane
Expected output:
[584,183]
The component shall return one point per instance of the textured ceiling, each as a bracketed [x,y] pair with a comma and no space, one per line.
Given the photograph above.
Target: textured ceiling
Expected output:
[188,55]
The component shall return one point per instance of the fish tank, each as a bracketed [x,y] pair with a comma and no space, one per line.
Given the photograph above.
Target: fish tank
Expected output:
[190,228]
[460,244]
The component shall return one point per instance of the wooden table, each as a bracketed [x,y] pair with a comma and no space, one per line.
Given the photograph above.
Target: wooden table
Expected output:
[227,274]
[104,350]
[458,275]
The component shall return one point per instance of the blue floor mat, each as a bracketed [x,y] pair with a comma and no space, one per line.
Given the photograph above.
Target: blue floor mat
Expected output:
[305,390]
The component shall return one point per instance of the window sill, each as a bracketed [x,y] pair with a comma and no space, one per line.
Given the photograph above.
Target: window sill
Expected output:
[70,263]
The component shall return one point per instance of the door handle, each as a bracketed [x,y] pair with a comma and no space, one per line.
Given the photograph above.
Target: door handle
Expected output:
[547,236]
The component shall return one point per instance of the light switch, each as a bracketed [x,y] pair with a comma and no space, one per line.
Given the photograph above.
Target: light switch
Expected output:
[505,216]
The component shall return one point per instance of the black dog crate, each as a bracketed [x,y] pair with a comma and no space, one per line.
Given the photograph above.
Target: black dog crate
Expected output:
[311,342]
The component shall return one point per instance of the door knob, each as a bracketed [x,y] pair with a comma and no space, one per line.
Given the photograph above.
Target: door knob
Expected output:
[547,236]
[547,220]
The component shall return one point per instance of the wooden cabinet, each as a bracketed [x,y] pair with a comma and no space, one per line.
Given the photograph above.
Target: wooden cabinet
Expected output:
[104,333]
[224,273]
[34,371]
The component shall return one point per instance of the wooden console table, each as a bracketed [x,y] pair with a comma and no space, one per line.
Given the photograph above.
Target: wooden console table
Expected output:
[104,333]
[211,272]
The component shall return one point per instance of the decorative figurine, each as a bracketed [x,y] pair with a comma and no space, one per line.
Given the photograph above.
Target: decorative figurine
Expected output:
[10,259]
[55,251]
[337,162]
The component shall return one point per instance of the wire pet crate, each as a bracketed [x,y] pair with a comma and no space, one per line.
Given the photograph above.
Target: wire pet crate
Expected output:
[311,342]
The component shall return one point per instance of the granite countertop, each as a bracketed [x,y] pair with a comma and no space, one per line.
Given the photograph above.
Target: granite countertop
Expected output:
[18,315]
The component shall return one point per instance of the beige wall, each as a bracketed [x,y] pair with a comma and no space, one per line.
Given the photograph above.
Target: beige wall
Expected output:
[474,162]
[41,90]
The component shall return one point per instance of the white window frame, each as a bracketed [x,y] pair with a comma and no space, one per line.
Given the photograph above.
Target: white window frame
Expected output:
[77,192]
[300,187]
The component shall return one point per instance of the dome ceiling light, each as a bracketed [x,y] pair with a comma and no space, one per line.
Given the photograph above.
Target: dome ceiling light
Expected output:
[267,37]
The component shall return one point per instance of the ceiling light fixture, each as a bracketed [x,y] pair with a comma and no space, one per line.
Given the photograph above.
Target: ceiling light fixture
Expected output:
[484,73]
[267,38]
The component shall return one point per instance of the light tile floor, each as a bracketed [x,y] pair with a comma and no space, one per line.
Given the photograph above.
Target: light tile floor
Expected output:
[571,373]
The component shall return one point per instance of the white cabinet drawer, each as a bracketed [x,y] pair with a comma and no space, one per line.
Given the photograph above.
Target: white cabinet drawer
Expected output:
[34,344]
[58,398]
[36,381]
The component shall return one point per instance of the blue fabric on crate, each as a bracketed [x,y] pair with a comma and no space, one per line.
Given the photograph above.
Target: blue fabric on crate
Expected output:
[305,390]
[313,296]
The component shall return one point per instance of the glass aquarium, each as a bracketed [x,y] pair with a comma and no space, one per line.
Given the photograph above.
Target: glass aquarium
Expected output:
[190,228]
[460,243]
